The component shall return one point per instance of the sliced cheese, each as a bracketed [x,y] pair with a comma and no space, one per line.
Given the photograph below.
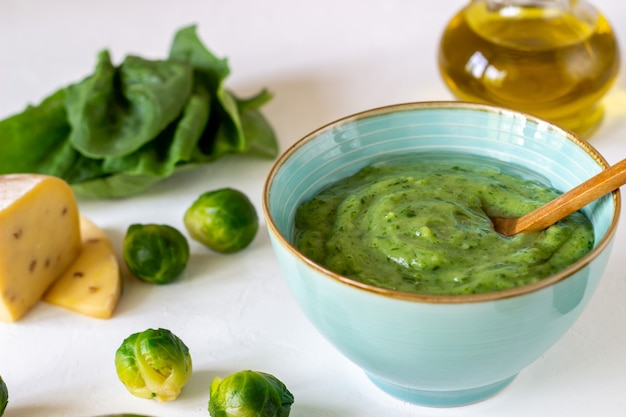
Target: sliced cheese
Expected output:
[39,238]
[92,285]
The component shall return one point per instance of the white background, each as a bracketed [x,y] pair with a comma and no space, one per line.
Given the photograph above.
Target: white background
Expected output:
[323,60]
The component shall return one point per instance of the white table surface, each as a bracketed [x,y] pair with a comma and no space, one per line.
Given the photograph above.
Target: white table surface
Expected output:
[323,60]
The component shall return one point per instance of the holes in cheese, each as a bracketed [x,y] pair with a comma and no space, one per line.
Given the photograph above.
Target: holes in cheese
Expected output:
[92,285]
[39,238]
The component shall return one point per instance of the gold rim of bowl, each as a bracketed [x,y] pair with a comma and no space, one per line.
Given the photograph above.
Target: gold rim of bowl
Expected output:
[428,298]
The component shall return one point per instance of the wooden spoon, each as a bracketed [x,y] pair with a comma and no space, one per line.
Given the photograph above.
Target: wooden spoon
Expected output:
[603,183]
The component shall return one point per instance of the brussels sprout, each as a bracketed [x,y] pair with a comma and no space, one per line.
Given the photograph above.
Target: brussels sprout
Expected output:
[249,394]
[4,396]
[153,364]
[155,253]
[223,220]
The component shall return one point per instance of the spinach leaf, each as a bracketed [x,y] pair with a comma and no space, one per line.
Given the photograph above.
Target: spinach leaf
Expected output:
[117,110]
[122,129]
[172,150]
[230,129]
[256,127]
[31,141]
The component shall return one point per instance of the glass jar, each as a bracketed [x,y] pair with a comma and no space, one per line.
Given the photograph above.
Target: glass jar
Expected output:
[552,58]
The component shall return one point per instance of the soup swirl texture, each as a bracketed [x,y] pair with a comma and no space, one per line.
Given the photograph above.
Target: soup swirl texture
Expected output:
[424,227]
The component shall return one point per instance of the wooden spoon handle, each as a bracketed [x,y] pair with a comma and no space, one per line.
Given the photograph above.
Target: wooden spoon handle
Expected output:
[606,181]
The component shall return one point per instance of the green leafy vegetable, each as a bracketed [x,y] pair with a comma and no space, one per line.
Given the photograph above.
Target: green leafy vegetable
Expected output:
[4,396]
[249,394]
[155,253]
[117,110]
[35,139]
[154,364]
[223,220]
[124,128]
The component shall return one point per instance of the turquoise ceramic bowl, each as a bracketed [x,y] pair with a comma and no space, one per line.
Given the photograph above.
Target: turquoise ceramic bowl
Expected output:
[437,350]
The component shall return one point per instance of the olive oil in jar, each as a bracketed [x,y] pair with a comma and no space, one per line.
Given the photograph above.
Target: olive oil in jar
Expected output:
[555,59]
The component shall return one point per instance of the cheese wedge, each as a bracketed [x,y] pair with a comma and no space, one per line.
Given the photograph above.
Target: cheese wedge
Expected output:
[92,285]
[39,238]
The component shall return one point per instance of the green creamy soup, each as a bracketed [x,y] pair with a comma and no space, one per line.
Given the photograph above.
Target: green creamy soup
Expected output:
[423,227]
